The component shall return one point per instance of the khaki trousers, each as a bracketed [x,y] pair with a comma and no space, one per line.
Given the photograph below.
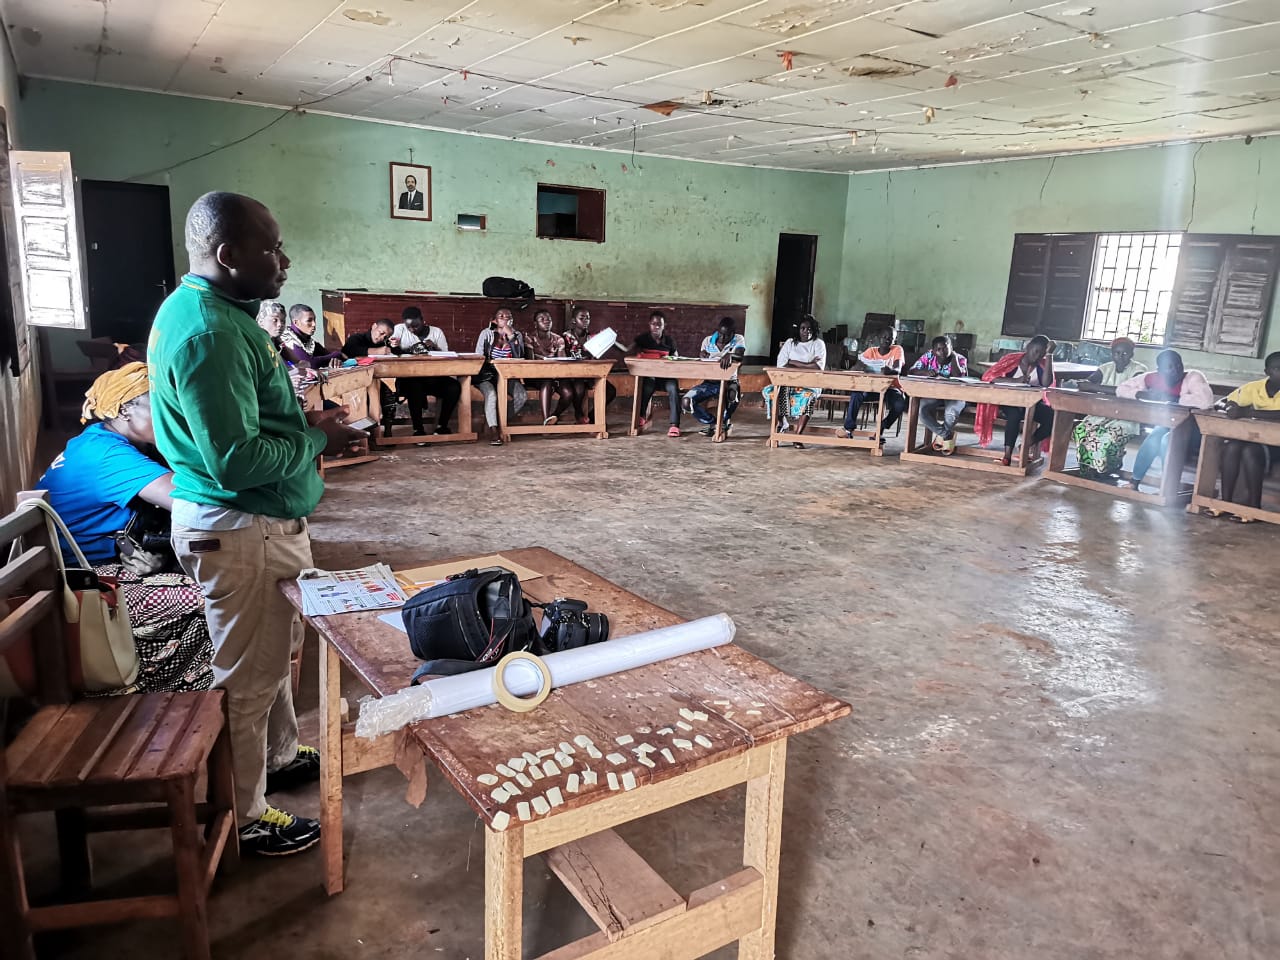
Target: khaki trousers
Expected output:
[254,631]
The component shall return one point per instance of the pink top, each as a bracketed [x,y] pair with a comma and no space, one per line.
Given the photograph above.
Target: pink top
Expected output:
[1194,390]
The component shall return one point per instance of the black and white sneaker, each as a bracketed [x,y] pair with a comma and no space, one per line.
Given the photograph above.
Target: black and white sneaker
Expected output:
[302,769]
[278,834]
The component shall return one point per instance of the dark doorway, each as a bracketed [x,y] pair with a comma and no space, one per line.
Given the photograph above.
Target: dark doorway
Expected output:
[128,243]
[792,286]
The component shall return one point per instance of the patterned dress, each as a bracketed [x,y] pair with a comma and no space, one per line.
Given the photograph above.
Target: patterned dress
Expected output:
[1101,441]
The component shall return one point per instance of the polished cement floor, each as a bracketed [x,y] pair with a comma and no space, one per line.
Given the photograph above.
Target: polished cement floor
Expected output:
[1064,742]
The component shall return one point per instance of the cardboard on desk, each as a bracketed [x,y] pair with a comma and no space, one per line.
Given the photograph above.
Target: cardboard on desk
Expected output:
[419,578]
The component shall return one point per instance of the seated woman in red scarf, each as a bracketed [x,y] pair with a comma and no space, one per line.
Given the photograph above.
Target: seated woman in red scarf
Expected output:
[1031,368]
[1169,384]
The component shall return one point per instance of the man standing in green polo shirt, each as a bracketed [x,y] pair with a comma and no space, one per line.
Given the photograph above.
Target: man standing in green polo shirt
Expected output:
[243,456]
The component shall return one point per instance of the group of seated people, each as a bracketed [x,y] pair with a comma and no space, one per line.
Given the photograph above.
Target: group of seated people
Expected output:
[293,332]
[1100,442]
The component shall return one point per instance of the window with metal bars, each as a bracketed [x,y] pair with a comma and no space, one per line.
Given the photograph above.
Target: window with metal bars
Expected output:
[1132,287]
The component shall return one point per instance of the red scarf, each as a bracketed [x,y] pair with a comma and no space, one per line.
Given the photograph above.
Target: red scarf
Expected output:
[984,418]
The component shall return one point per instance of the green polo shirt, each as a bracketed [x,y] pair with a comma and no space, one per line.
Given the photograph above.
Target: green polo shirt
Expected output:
[225,414]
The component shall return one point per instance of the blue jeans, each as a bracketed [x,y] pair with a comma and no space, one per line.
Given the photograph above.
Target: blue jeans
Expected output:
[895,401]
[709,390]
[1157,445]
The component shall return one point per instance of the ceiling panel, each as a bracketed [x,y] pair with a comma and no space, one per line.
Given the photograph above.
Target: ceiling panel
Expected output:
[1026,76]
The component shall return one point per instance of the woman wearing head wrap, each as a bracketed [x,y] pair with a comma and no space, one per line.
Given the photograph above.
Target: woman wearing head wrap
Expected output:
[1101,441]
[114,493]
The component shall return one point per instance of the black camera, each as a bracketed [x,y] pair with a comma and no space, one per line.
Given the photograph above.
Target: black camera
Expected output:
[566,625]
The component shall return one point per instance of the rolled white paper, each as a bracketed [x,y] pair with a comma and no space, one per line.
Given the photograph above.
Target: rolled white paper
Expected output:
[447,695]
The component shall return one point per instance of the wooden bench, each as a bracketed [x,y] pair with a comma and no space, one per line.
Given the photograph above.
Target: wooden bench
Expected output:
[113,751]
[1215,428]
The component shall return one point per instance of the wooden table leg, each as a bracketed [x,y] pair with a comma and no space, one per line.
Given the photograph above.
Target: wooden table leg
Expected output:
[762,848]
[331,767]
[635,410]
[772,442]
[1175,457]
[1208,467]
[464,408]
[877,451]
[15,932]
[913,423]
[602,398]
[192,907]
[1028,430]
[503,892]
[1064,425]
[222,793]
[501,387]
[718,436]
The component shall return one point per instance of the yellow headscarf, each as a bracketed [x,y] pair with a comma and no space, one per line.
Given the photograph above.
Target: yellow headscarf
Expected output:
[113,390]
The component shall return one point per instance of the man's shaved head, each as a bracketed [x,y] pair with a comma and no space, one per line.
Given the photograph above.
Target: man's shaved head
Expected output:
[234,243]
[218,218]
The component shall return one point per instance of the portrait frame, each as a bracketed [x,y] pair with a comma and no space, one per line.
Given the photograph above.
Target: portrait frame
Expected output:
[397,172]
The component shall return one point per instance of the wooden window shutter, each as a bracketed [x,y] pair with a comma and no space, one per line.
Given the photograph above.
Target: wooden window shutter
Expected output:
[1067,286]
[1195,290]
[1244,299]
[1028,279]
[49,252]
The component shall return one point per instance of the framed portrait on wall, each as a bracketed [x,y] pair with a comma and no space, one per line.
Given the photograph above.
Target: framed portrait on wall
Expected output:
[410,191]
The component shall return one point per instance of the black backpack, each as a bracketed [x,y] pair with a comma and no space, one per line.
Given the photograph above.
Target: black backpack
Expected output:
[507,288]
[470,621]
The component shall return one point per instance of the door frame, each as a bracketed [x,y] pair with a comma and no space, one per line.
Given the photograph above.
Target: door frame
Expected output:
[812,276]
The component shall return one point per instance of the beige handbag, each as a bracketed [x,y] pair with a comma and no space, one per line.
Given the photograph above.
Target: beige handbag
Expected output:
[101,654]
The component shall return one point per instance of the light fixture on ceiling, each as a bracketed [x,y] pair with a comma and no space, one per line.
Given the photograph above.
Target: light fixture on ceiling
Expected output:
[823,138]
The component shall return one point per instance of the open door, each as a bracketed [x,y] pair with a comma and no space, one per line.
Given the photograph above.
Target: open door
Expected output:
[792,286]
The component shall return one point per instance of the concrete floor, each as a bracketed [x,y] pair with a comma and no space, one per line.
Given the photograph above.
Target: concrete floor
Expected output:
[1064,739]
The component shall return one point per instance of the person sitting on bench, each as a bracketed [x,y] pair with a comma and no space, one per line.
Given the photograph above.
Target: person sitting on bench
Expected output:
[887,357]
[1258,400]
[376,341]
[728,347]
[299,342]
[575,391]
[656,342]
[415,336]
[545,344]
[941,361]
[1171,383]
[807,351]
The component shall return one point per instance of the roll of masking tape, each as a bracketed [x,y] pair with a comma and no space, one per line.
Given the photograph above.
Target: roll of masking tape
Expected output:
[509,699]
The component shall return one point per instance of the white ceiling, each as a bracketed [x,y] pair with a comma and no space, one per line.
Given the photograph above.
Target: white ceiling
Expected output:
[921,81]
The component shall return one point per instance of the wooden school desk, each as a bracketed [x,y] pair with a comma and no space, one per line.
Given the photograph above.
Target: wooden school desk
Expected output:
[868,383]
[464,367]
[349,387]
[594,370]
[1070,405]
[738,709]
[972,457]
[686,368]
[1214,429]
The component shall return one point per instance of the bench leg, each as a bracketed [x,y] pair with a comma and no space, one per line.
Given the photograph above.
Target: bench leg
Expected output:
[222,794]
[762,848]
[73,853]
[187,846]
[503,892]
[15,934]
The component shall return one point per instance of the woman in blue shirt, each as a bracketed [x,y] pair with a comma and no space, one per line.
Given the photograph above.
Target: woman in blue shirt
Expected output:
[103,478]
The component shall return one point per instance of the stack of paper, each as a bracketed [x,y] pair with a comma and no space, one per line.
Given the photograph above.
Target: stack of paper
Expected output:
[326,592]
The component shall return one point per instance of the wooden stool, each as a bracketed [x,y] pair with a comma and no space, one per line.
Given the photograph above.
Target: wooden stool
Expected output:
[139,749]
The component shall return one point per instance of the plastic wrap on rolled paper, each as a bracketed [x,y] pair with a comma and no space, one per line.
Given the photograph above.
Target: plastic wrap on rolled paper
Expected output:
[447,695]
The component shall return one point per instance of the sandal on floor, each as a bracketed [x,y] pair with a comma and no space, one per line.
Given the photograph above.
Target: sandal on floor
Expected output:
[1239,519]
[674,431]
[550,421]
[946,447]
[1005,461]
[798,445]
[1211,512]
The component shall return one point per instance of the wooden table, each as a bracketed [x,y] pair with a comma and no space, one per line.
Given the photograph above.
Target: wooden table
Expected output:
[1070,405]
[750,710]
[1214,429]
[349,387]
[972,457]
[597,370]
[464,367]
[683,369]
[829,380]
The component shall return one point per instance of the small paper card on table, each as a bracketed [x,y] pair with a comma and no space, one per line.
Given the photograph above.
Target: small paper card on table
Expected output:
[421,577]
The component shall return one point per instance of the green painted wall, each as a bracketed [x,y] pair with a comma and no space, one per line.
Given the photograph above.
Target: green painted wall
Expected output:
[675,229]
[936,243]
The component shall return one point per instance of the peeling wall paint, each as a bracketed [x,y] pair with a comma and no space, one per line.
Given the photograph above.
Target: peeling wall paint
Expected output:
[935,244]
[674,229]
